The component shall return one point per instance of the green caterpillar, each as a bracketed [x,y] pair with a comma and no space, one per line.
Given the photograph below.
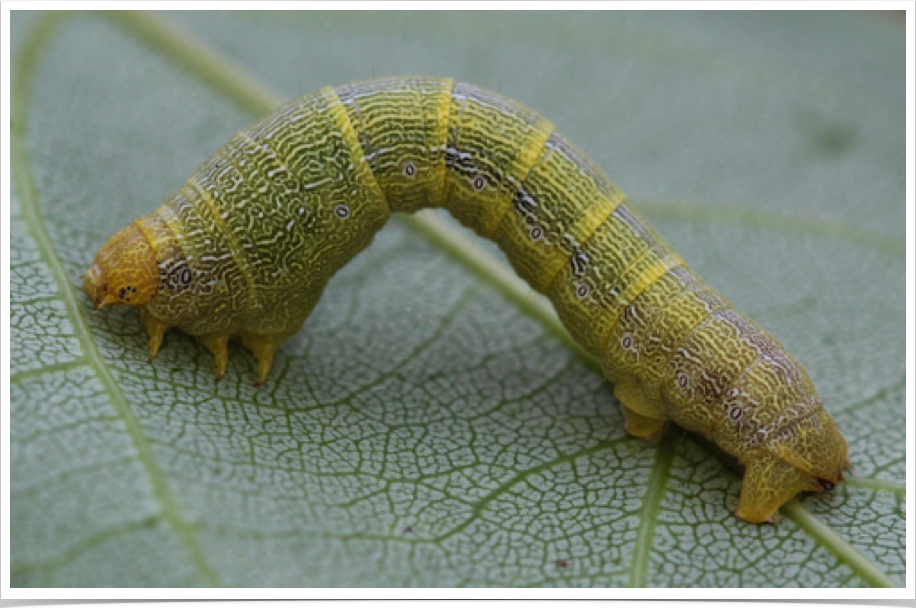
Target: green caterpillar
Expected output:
[248,244]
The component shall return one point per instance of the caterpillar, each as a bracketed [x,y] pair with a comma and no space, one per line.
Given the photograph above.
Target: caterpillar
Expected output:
[247,245]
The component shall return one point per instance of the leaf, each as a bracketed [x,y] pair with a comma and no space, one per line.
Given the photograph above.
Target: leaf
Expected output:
[430,426]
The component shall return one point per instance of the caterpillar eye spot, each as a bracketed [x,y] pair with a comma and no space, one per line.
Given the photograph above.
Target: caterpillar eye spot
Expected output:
[582,290]
[479,183]
[175,276]
[627,342]
[683,381]
[342,211]
[410,169]
[536,233]
[735,413]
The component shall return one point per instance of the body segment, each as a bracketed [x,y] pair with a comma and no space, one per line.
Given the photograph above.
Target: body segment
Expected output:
[247,246]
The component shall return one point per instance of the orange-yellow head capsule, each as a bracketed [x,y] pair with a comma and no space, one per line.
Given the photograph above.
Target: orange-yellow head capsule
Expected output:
[124,271]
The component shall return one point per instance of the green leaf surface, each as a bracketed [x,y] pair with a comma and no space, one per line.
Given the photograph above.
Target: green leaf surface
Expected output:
[431,426]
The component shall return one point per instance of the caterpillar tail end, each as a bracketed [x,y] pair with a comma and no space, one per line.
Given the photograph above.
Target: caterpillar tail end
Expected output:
[770,482]
[807,455]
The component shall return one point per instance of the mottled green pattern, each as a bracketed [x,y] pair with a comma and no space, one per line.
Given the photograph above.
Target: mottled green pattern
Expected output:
[560,204]
[652,340]
[266,222]
[401,129]
[492,144]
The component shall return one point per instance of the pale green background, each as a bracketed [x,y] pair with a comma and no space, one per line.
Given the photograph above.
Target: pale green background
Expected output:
[423,430]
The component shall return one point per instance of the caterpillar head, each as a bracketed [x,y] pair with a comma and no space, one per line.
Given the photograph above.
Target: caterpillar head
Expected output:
[124,271]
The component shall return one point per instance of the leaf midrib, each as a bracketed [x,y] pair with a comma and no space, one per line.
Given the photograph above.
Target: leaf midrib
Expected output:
[171,512]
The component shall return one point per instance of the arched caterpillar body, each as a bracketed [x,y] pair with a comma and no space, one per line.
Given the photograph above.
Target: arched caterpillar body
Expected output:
[248,244]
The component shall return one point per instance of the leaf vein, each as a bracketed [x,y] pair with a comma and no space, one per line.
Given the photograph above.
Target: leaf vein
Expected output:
[866,569]
[651,503]
[26,66]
